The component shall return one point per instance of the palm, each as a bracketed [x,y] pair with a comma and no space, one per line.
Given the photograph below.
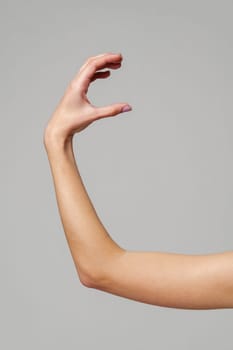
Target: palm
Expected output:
[75,111]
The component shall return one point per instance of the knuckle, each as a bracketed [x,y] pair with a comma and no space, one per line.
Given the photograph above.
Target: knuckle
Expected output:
[103,54]
[91,62]
[73,84]
[96,113]
[92,65]
[111,112]
[91,58]
[87,62]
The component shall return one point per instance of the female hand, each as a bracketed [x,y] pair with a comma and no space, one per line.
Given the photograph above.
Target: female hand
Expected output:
[75,112]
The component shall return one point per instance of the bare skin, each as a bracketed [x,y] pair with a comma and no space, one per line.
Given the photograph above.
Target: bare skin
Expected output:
[157,278]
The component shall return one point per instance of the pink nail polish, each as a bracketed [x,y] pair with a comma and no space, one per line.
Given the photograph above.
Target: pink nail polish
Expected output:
[126,108]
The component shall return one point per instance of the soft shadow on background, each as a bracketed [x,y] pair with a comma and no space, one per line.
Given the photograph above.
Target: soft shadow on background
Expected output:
[160,177]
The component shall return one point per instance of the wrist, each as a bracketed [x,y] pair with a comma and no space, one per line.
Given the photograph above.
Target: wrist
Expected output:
[53,138]
[58,149]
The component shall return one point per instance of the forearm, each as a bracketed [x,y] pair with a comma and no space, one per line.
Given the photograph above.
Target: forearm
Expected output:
[91,246]
[158,278]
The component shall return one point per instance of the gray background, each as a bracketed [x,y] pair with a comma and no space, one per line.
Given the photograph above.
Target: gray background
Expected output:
[160,176]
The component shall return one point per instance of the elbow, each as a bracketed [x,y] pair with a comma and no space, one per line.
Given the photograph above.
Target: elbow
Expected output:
[92,279]
[86,281]
[100,276]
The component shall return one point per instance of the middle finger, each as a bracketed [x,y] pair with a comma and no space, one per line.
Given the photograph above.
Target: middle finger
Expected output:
[99,62]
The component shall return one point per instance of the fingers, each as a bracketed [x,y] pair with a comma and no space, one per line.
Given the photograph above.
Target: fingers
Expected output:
[97,57]
[112,110]
[106,73]
[87,72]
[87,61]
[101,75]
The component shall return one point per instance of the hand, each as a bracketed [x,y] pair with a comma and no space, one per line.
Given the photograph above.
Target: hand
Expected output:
[75,112]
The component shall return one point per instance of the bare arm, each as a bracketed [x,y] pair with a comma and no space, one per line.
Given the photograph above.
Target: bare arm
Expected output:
[158,278]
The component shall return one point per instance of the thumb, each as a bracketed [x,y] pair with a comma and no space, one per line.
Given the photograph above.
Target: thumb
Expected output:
[112,110]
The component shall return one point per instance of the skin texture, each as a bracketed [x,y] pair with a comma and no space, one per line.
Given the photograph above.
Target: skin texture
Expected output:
[157,278]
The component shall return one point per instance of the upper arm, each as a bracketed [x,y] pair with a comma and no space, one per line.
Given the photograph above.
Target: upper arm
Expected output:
[172,279]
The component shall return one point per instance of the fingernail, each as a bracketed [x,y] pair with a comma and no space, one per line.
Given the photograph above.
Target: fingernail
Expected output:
[126,108]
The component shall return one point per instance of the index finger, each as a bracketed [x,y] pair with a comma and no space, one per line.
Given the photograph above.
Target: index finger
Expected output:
[93,64]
